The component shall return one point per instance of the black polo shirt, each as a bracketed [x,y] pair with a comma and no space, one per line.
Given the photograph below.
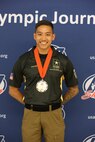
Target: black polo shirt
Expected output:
[26,70]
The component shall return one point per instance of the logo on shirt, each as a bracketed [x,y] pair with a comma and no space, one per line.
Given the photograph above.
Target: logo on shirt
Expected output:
[90,139]
[89,87]
[3,83]
[56,64]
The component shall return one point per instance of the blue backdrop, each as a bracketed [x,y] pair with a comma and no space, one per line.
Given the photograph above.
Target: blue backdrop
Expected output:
[74,23]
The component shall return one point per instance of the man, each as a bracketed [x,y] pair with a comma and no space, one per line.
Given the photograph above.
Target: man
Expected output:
[42,70]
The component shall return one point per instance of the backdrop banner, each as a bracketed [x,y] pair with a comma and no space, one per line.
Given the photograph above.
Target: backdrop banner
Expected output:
[74,23]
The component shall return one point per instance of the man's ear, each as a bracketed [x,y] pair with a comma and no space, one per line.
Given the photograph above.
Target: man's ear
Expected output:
[54,37]
[34,35]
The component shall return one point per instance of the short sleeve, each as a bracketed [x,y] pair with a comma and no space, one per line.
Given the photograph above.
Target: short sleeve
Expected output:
[70,74]
[16,76]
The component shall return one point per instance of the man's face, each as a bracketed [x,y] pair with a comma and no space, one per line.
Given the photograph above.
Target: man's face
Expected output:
[44,36]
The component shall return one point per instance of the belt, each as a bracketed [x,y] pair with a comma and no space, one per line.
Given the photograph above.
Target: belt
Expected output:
[42,108]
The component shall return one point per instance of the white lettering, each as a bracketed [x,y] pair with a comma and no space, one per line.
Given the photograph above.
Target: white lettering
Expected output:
[36,16]
[82,17]
[92,57]
[55,17]
[91,117]
[42,16]
[28,19]
[15,18]
[2,19]
[4,56]
[89,19]
[63,19]
[74,20]
[3,116]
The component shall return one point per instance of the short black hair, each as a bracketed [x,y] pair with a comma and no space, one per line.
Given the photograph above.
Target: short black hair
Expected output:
[44,22]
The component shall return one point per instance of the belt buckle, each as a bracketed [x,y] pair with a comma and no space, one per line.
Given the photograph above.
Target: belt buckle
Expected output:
[50,107]
[31,106]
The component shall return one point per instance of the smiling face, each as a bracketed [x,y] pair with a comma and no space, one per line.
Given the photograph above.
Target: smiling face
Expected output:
[44,36]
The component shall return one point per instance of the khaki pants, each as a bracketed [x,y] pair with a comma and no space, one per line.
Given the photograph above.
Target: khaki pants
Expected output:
[51,123]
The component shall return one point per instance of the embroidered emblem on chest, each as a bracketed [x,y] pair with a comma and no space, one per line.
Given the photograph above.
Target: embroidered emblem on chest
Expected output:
[56,64]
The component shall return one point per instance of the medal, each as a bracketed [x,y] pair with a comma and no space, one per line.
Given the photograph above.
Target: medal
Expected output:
[42,85]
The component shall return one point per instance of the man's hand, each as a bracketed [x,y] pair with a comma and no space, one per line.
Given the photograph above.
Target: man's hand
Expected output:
[72,92]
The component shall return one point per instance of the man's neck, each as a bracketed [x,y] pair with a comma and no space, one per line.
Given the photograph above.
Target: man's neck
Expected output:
[43,51]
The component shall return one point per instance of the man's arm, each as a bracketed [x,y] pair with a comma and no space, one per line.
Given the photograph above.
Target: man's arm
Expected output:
[72,92]
[16,94]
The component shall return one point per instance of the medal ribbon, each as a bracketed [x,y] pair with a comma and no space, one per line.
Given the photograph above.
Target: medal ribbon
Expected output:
[42,70]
